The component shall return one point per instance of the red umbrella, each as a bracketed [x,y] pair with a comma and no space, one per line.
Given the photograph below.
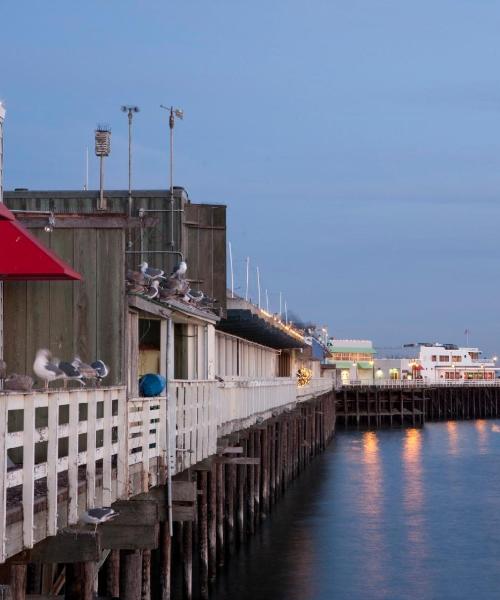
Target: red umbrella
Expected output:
[23,257]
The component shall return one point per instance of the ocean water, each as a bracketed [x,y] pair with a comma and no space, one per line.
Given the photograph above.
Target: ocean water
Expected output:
[383,515]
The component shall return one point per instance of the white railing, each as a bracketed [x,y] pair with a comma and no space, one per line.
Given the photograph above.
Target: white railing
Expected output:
[317,386]
[76,449]
[44,438]
[206,409]
[412,383]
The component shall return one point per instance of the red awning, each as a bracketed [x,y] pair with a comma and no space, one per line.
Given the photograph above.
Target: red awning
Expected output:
[23,257]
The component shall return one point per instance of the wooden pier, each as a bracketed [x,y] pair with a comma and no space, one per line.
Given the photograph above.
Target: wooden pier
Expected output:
[392,406]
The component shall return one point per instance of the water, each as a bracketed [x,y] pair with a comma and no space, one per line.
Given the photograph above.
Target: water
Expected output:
[402,514]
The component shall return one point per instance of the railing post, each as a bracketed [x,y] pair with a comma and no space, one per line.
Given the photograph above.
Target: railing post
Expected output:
[28,469]
[3,474]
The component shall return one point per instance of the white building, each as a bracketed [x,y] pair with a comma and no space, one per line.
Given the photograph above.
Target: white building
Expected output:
[443,362]
[352,359]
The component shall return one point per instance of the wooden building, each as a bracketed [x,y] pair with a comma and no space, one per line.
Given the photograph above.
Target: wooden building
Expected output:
[228,368]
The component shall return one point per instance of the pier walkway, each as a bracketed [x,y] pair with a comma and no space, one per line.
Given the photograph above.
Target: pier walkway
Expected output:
[67,451]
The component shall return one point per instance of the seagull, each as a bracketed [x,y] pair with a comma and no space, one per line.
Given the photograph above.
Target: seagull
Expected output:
[197,297]
[86,371]
[45,369]
[96,516]
[71,372]
[153,291]
[149,272]
[136,277]
[18,383]
[179,270]
[101,369]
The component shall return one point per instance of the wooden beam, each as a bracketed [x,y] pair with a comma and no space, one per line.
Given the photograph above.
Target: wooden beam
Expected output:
[129,537]
[68,546]
[240,460]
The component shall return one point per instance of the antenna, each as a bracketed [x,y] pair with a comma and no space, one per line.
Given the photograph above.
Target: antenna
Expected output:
[102,149]
[248,269]
[286,314]
[231,268]
[267,301]
[86,184]
[258,287]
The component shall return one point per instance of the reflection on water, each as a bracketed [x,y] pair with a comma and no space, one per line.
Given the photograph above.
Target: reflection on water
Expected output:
[452,428]
[388,515]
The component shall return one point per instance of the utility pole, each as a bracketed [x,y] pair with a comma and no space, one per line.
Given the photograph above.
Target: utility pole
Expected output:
[179,114]
[130,110]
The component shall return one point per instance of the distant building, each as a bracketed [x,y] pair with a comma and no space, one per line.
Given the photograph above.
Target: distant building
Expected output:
[396,368]
[441,362]
[353,360]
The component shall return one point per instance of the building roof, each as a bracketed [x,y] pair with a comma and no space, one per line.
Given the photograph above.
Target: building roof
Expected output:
[247,321]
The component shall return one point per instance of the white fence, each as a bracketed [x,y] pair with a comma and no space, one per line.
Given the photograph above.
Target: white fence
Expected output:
[45,437]
[76,449]
[205,408]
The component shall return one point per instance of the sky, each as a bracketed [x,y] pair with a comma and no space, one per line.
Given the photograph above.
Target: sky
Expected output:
[356,143]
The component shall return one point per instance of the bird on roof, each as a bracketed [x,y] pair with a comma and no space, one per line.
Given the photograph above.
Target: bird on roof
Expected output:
[18,383]
[45,368]
[153,290]
[136,277]
[149,272]
[101,369]
[97,516]
[196,297]
[179,270]
[71,372]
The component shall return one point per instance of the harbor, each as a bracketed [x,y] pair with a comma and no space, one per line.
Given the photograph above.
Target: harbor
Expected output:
[249,338]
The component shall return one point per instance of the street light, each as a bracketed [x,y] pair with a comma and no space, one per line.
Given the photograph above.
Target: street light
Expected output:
[179,114]
[130,110]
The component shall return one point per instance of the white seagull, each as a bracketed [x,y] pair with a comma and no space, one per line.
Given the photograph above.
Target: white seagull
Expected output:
[96,516]
[149,272]
[45,369]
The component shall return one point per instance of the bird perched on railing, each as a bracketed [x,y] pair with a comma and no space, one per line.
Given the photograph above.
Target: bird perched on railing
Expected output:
[101,369]
[18,383]
[97,516]
[45,368]
[150,272]
[72,373]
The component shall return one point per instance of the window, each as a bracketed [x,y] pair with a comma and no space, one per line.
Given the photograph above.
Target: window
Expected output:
[456,358]
[444,358]
[434,358]
[452,375]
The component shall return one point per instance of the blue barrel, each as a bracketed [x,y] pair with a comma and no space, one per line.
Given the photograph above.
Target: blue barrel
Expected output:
[151,385]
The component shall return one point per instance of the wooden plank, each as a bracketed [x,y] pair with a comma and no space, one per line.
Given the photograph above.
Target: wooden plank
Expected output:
[230,450]
[14,323]
[73,458]
[107,447]
[183,491]
[28,468]
[183,512]
[147,306]
[238,460]
[110,283]
[85,294]
[62,339]
[146,424]
[68,546]
[52,456]
[91,447]
[3,475]
[129,537]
